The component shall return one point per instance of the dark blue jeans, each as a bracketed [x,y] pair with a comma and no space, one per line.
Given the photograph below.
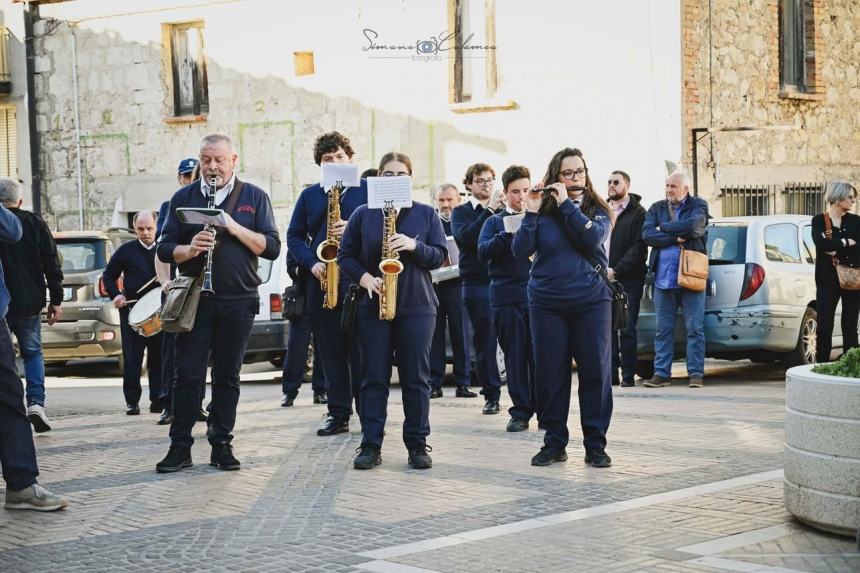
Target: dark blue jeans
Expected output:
[666,304]
[224,328]
[624,341]
[28,331]
[17,453]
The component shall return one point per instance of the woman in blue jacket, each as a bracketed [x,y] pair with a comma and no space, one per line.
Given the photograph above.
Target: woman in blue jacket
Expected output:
[420,243]
[569,306]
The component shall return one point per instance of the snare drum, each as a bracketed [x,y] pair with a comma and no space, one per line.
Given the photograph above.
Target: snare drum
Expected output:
[145,316]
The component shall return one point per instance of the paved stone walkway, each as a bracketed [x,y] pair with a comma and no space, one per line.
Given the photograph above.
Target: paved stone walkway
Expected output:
[695,486]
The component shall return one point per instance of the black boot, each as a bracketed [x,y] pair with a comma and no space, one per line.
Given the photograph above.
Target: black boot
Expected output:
[222,457]
[177,458]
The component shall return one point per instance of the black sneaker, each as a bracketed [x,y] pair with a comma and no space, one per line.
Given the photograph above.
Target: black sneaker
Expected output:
[132,410]
[597,458]
[548,455]
[321,398]
[369,456]
[177,458]
[419,459]
[436,393]
[627,383]
[491,407]
[222,458]
[517,425]
[333,426]
[288,399]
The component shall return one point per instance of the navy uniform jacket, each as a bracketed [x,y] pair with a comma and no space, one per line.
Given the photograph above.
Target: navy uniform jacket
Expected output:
[137,265]
[560,276]
[466,223]
[361,251]
[308,225]
[234,267]
[509,276]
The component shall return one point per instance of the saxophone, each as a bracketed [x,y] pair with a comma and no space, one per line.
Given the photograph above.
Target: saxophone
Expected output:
[327,250]
[390,265]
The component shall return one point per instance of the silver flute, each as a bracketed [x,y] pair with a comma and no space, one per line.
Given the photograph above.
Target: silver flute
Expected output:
[207,273]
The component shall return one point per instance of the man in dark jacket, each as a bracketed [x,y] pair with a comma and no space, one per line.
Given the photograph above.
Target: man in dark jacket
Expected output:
[678,220]
[32,265]
[627,253]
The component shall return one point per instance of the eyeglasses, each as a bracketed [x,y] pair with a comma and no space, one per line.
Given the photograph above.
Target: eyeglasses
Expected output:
[393,174]
[614,182]
[571,174]
[482,182]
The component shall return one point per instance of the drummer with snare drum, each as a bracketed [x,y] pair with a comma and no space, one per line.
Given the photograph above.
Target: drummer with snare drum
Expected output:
[134,260]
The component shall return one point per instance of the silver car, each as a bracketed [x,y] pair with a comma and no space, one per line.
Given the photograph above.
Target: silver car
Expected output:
[760,300]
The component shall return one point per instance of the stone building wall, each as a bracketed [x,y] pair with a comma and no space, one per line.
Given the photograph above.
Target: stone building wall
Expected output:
[731,79]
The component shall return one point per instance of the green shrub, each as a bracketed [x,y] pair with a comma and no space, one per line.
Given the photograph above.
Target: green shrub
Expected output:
[848,365]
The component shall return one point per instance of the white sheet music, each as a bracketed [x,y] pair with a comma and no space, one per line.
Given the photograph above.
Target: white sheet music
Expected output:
[346,173]
[383,189]
[513,222]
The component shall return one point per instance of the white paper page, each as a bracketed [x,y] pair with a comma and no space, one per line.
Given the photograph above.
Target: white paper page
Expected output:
[194,216]
[346,173]
[395,189]
[513,222]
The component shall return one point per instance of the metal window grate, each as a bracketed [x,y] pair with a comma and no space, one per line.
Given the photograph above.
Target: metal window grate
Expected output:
[804,198]
[743,200]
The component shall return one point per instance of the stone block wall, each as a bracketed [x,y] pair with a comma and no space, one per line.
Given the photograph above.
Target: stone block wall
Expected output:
[731,63]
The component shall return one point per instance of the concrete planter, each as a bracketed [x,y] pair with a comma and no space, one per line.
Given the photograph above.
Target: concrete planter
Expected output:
[822,450]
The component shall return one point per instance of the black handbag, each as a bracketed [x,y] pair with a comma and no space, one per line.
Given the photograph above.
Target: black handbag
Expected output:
[294,298]
[349,310]
[620,302]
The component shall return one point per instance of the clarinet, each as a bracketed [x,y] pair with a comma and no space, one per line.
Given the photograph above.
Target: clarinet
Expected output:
[207,272]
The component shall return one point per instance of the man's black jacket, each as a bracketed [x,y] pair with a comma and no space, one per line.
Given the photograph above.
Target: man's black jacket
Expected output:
[627,249]
[31,265]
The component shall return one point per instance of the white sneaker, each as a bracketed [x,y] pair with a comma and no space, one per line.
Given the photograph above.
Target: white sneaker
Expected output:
[36,415]
[35,497]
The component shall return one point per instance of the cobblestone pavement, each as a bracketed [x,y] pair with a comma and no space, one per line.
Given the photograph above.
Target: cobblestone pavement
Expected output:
[695,486]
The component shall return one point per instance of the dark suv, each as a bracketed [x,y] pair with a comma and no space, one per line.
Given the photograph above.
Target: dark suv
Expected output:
[89,327]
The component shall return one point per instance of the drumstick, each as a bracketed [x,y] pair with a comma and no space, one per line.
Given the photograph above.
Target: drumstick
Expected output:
[152,280]
[131,301]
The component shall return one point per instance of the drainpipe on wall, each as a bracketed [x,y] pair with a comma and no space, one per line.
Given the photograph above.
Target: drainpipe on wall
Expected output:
[77,127]
[31,14]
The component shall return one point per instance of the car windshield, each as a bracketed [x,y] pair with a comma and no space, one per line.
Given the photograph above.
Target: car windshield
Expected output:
[80,256]
[727,244]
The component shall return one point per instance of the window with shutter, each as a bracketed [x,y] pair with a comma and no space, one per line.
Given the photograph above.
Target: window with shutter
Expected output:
[8,142]
[188,66]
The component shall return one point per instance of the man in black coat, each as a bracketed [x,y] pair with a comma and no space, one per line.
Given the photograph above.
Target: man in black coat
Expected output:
[627,255]
[31,265]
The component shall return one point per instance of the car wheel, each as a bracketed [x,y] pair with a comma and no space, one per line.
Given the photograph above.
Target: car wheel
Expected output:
[645,369]
[804,352]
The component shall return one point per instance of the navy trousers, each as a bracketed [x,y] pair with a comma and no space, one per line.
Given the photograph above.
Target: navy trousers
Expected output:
[582,334]
[296,358]
[477,299]
[511,323]
[168,371]
[17,452]
[450,314]
[624,341]
[224,327]
[133,346]
[409,337]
